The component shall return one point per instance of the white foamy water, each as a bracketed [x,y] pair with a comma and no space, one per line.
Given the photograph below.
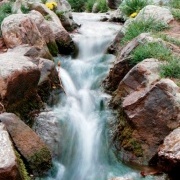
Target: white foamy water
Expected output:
[86,153]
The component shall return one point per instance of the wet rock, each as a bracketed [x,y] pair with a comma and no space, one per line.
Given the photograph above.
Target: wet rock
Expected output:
[28,143]
[169,152]
[117,16]
[153,113]
[18,77]
[48,128]
[8,161]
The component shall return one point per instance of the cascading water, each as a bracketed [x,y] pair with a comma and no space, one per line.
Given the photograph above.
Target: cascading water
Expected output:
[85,153]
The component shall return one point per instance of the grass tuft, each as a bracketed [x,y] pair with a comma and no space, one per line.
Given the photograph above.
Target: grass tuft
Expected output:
[171,68]
[140,26]
[151,50]
[131,6]
[174,4]
[176,14]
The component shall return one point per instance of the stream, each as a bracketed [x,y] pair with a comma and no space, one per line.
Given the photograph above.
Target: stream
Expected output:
[86,153]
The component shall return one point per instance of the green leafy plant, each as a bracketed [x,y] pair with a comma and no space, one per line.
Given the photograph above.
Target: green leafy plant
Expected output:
[102,6]
[131,6]
[24,9]
[150,50]
[139,26]
[171,68]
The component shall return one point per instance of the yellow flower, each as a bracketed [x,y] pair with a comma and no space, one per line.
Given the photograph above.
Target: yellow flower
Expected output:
[51,5]
[133,15]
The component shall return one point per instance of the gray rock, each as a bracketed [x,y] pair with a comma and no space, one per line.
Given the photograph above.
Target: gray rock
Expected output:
[48,128]
[8,161]
[113,4]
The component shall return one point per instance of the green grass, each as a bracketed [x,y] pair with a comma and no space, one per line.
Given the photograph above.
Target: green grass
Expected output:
[176,14]
[175,4]
[150,50]
[168,39]
[171,68]
[89,5]
[77,5]
[130,6]
[24,9]
[102,6]
[141,26]
[5,10]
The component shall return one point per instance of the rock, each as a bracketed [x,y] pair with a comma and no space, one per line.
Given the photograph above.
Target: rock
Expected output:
[117,16]
[169,152]
[143,75]
[8,161]
[62,37]
[30,146]
[95,8]
[49,83]
[113,4]
[48,128]
[18,78]
[158,13]
[45,30]
[161,14]
[122,66]
[153,113]
[19,29]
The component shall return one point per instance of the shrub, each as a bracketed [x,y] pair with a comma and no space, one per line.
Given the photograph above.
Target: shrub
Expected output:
[139,26]
[176,14]
[24,9]
[102,6]
[151,50]
[131,6]
[5,10]
[77,5]
[175,4]
[89,5]
[171,68]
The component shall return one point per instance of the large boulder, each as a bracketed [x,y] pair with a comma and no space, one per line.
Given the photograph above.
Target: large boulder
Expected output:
[19,78]
[28,143]
[48,128]
[8,160]
[122,65]
[143,75]
[62,37]
[151,113]
[169,153]
[45,31]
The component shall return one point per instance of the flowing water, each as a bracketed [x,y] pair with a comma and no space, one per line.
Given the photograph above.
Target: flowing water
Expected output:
[83,112]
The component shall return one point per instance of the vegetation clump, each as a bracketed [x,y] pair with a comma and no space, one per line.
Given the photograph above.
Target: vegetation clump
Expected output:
[140,26]
[128,7]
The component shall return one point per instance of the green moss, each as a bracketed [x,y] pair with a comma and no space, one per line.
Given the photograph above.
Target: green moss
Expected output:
[40,161]
[22,168]
[53,48]
[125,136]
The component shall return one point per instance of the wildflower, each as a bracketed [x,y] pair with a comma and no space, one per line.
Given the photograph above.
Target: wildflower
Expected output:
[133,15]
[51,5]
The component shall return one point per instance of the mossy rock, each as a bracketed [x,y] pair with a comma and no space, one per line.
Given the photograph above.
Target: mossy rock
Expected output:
[53,48]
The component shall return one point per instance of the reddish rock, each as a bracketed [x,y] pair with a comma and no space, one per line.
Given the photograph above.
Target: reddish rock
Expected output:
[18,77]
[28,143]
[153,113]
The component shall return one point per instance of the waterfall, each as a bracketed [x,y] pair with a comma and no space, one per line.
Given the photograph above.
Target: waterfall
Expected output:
[83,111]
